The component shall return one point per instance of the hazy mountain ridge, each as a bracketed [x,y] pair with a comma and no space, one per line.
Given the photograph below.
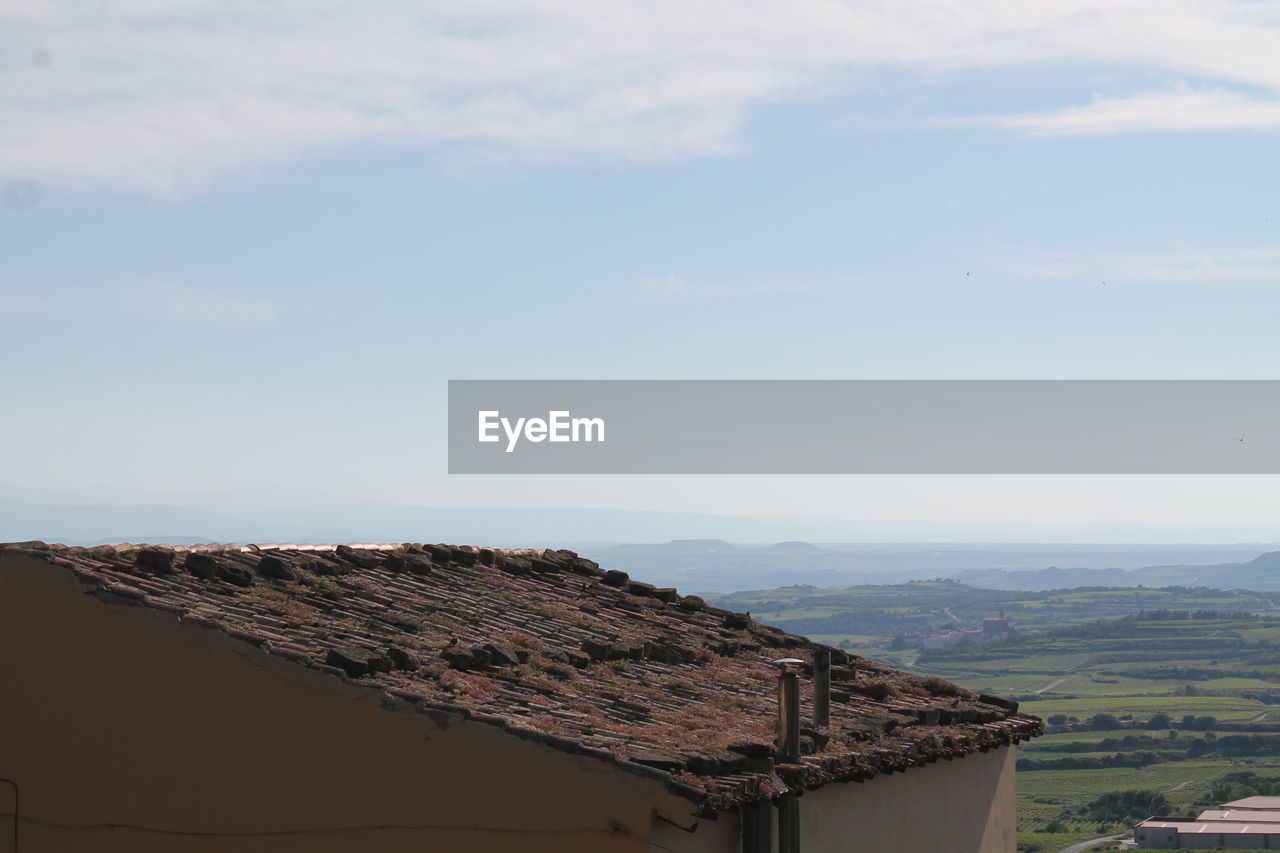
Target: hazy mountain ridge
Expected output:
[273,514]
[705,553]
[720,567]
[1262,572]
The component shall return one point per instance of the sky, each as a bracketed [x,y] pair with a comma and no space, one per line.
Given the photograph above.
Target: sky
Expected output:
[245,245]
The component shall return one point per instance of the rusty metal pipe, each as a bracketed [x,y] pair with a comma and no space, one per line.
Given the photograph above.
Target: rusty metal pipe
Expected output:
[788,750]
[822,688]
[789,824]
[757,827]
[789,715]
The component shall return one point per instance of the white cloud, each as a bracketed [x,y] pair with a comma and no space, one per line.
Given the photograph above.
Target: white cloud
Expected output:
[1208,109]
[164,94]
[1175,264]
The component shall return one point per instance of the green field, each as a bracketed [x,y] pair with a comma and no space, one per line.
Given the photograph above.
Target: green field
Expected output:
[1221,671]
[1226,708]
[1217,673]
[856,614]
[1198,662]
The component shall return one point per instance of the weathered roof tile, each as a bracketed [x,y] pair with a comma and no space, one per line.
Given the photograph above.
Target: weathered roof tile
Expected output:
[552,648]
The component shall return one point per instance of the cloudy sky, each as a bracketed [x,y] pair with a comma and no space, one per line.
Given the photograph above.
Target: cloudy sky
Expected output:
[246,244]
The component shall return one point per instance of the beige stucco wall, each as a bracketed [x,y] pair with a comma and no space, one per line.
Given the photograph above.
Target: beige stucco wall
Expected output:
[961,806]
[966,805]
[121,715]
[722,835]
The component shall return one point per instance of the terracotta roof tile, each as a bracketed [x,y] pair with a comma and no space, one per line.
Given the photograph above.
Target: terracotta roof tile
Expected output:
[550,647]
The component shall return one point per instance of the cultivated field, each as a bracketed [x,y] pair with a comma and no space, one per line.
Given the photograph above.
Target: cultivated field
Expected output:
[1167,708]
[1164,703]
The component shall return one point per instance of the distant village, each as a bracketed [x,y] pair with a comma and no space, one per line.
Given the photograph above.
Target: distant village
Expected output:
[994,629]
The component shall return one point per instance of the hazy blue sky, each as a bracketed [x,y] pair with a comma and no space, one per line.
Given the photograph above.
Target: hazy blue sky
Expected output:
[245,245]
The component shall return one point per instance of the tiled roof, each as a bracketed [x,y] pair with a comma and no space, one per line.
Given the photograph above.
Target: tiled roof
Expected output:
[550,647]
[1254,802]
[1195,827]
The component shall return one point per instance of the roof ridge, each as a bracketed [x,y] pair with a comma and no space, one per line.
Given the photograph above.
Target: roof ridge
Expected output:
[551,647]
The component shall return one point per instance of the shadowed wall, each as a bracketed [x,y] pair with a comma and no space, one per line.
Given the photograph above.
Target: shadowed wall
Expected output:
[122,715]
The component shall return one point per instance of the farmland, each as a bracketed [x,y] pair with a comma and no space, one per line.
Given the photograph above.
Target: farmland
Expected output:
[1176,693]
[1164,702]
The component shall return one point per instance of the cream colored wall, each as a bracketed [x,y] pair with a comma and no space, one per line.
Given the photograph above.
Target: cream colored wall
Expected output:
[721,835]
[961,806]
[121,715]
[966,806]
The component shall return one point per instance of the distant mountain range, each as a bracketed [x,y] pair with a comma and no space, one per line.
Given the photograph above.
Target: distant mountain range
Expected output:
[96,523]
[720,567]
[117,512]
[1050,578]
[714,565]
[849,551]
[1262,572]
[31,514]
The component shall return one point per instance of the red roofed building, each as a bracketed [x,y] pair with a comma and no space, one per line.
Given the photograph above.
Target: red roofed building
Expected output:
[1249,824]
[429,697]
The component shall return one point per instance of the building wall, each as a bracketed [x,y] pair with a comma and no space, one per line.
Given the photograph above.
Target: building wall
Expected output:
[722,835]
[124,727]
[1155,837]
[966,805]
[1226,841]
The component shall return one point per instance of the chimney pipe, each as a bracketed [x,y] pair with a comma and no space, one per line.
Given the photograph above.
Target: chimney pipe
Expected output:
[822,688]
[788,709]
[757,827]
[789,824]
[788,750]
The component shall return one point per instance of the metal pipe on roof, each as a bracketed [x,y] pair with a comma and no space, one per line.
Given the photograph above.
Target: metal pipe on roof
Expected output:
[822,688]
[788,750]
[788,709]
[789,716]
[757,827]
[789,824]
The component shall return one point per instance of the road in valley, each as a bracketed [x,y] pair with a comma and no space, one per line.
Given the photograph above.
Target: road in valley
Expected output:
[1051,685]
[1092,842]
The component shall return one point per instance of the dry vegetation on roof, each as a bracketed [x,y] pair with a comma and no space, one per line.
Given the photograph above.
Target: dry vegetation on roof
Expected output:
[548,645]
